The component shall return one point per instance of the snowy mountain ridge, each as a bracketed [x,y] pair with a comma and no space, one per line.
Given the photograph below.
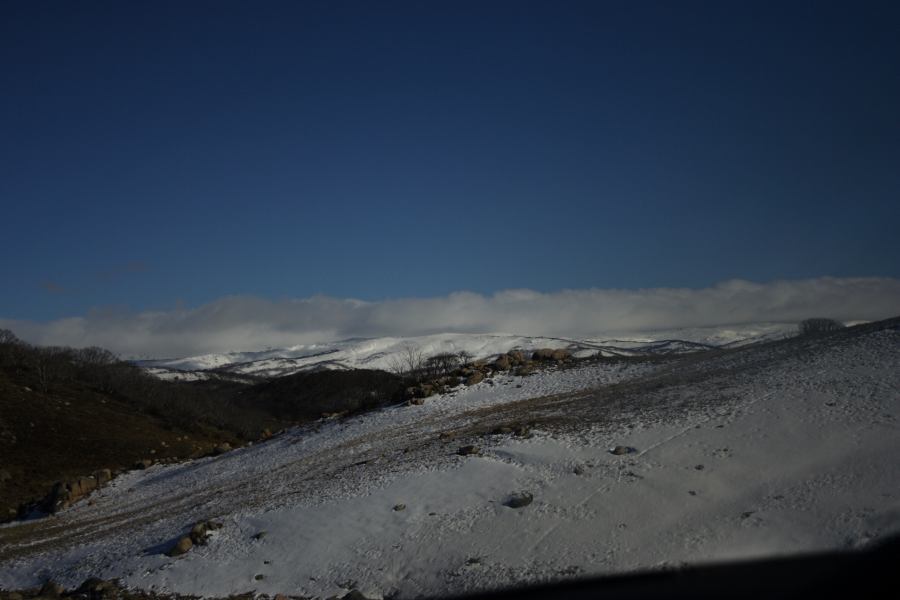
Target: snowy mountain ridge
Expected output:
[386,352]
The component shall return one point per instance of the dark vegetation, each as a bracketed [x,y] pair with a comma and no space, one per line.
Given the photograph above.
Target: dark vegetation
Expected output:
[65,413]
[817,326]
[307,396]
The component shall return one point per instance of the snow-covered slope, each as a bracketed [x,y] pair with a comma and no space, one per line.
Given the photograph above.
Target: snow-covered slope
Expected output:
[769,449]
[387,352]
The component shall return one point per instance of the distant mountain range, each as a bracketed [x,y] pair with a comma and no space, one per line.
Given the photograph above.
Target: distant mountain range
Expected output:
[386,353]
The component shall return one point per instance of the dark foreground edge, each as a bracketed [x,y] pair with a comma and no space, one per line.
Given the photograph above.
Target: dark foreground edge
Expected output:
[871,573]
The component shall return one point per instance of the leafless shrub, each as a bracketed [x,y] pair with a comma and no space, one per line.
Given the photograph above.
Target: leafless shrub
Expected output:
[815,326]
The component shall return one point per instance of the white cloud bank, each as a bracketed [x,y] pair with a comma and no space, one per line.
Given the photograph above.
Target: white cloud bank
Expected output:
[249,323]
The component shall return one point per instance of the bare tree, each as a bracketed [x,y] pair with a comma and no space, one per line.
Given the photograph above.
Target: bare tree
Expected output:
[409,363]
[814,326]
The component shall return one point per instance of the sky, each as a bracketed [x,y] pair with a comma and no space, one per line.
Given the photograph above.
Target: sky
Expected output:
[166,156]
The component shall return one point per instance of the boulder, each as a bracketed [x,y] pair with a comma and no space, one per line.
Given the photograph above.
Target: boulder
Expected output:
[221,449]
[560,355]
[476,377]
[467,450]
[519,500]
[542,354]
[51,589]
[103,476]
[202,530]
[181,546]
[502,363]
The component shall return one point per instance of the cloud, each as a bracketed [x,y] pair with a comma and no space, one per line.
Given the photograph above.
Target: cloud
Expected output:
[250,323]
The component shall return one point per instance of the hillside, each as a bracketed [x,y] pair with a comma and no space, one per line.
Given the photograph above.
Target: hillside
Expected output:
[608,466]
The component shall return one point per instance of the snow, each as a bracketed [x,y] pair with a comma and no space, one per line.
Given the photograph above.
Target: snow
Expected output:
[385,353]
[758,452]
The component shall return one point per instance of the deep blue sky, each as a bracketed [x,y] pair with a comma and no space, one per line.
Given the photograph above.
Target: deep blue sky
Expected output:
[154,153]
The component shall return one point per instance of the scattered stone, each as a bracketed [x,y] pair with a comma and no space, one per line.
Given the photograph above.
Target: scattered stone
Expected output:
[260,535]
[399,507]
[259,577]
[467,450]
[748,514]
[181,546]
[416,401]
[579,470]
[692,492]
[475,560]
[621,450]
[699,467]
[519,500]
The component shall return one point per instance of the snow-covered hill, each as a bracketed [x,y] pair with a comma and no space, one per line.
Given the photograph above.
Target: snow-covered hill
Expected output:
[764,450]
[387,352]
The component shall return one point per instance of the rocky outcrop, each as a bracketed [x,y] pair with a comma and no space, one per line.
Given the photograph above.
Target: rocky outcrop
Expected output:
[66,493]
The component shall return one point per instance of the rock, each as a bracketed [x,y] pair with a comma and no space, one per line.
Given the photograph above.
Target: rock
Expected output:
[504,430]
[222,449]
[142,464]
[560,355]
[103,476]
[519,500]
[467,450]
[525,370]
[542,354]
[260,535]
[620,450]
[354,595]
[181,546]
[522,431]
[399,507]
[475,377]
[202,530]
[259,577]
[517,357]
[86,485]
[94,587]
[416,401]
[281,597]
[52,589]
[502,363]
[699,467]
